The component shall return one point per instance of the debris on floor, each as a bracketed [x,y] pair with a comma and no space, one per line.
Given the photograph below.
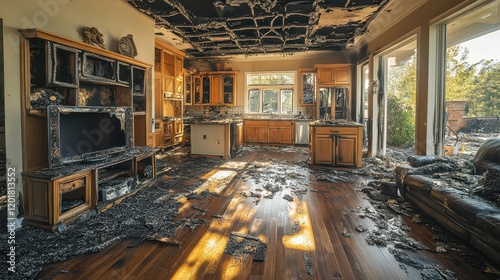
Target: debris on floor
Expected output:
[307,263]
[164,239]
[243,244]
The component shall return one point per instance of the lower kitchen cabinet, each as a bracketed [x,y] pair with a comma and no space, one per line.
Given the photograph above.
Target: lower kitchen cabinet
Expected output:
[336,146]
[255,131]
[216,139]
[280,132]
[268,131]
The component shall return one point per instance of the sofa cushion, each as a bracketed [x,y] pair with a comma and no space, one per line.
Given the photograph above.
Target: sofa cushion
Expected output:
[419,183]
[461,203]
[489,223]
[488,155]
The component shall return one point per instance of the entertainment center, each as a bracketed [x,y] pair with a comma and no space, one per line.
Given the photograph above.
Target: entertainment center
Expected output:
[84,128]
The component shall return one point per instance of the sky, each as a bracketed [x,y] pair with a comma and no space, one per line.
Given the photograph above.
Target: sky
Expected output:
[484,47]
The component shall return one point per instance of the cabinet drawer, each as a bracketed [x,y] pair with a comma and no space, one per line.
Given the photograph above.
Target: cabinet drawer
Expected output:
[336,130]
[255,123]
[279,123]
[71,185]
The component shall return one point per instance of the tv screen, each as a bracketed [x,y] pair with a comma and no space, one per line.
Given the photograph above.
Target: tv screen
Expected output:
[87,133]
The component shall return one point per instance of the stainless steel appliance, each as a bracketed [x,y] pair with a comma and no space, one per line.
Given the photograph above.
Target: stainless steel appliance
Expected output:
[301,132]
[236,137]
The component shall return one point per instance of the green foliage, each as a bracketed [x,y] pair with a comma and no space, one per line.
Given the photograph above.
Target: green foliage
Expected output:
[400,123]
[478,83]
[484,99]
[459,73]
[401,100]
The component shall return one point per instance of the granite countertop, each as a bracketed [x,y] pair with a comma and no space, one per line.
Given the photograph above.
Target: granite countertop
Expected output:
[267,117]
[216,120]
[335,123]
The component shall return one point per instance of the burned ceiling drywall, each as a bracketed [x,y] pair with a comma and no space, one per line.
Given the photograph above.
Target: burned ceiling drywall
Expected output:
[251,27]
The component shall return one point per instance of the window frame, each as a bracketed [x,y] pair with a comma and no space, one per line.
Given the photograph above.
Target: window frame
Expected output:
[261,89]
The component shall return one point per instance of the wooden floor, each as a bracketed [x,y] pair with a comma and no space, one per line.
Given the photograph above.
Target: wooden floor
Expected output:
[311,230]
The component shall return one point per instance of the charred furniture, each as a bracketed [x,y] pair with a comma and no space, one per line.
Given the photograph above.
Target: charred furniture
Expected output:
[80,103]
[57,195]
[469,216]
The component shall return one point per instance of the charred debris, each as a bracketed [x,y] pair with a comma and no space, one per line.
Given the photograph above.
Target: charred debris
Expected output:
[150,215]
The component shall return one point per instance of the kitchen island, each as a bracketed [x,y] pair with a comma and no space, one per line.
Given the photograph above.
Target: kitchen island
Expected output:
[216,137]
[336,143]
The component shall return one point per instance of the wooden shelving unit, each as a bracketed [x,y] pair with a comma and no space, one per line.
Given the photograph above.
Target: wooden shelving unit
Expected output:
[169,95]
[84,78]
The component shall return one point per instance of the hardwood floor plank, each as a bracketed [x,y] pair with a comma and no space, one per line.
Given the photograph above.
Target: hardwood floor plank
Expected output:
[78,267]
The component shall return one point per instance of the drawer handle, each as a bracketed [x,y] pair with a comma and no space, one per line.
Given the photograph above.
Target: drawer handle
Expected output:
[73,185]
[334,131]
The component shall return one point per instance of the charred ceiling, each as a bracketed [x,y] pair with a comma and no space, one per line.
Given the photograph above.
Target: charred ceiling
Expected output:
[250,27]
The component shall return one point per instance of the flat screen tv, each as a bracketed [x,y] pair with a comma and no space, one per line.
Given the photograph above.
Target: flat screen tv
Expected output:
[79,134]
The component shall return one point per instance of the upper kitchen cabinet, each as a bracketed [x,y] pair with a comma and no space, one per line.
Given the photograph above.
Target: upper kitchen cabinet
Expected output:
[333,74]
[169,68]
[214,88]
[307,84]
[170,87]
[188,88]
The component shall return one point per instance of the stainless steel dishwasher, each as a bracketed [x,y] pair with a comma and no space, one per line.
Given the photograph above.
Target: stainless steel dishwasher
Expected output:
[302,132]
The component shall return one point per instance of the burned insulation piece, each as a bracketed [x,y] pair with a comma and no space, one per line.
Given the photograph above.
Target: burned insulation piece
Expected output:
[240,244]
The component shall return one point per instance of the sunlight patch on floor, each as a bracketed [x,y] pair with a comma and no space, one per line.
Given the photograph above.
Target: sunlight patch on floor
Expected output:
[303,239]
[234,165]
[209,249]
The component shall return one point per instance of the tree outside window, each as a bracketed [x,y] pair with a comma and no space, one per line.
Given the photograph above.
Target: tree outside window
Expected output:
[270,93]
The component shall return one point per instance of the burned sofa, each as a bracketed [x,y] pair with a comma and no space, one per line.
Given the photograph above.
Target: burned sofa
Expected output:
[450,192]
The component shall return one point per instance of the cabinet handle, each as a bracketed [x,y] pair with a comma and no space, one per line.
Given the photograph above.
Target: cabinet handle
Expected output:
[334,131]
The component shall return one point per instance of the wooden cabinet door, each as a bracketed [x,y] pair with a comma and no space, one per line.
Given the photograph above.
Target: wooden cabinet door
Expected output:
[215,90]
[345,152]
[205,90]
[324,149]
[261,134]
[228,90]
[307,84]
[158,98]
[168,86]
[341,76]
[249,133]
[285,135]
[273,134]
[197,97]
[325,76]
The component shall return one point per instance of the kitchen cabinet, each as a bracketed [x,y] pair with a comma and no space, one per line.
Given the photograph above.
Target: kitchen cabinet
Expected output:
[216,138]
[307,85]
[333,91]
[333,74]
[279,132]
[215,88]
[268,131]
[188,88]
[336,146]
[48,201]
[255,131]
[169,90]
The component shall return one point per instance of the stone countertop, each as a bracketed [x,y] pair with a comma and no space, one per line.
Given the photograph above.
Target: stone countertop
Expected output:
[277,117]
[335,123]
[212,120]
